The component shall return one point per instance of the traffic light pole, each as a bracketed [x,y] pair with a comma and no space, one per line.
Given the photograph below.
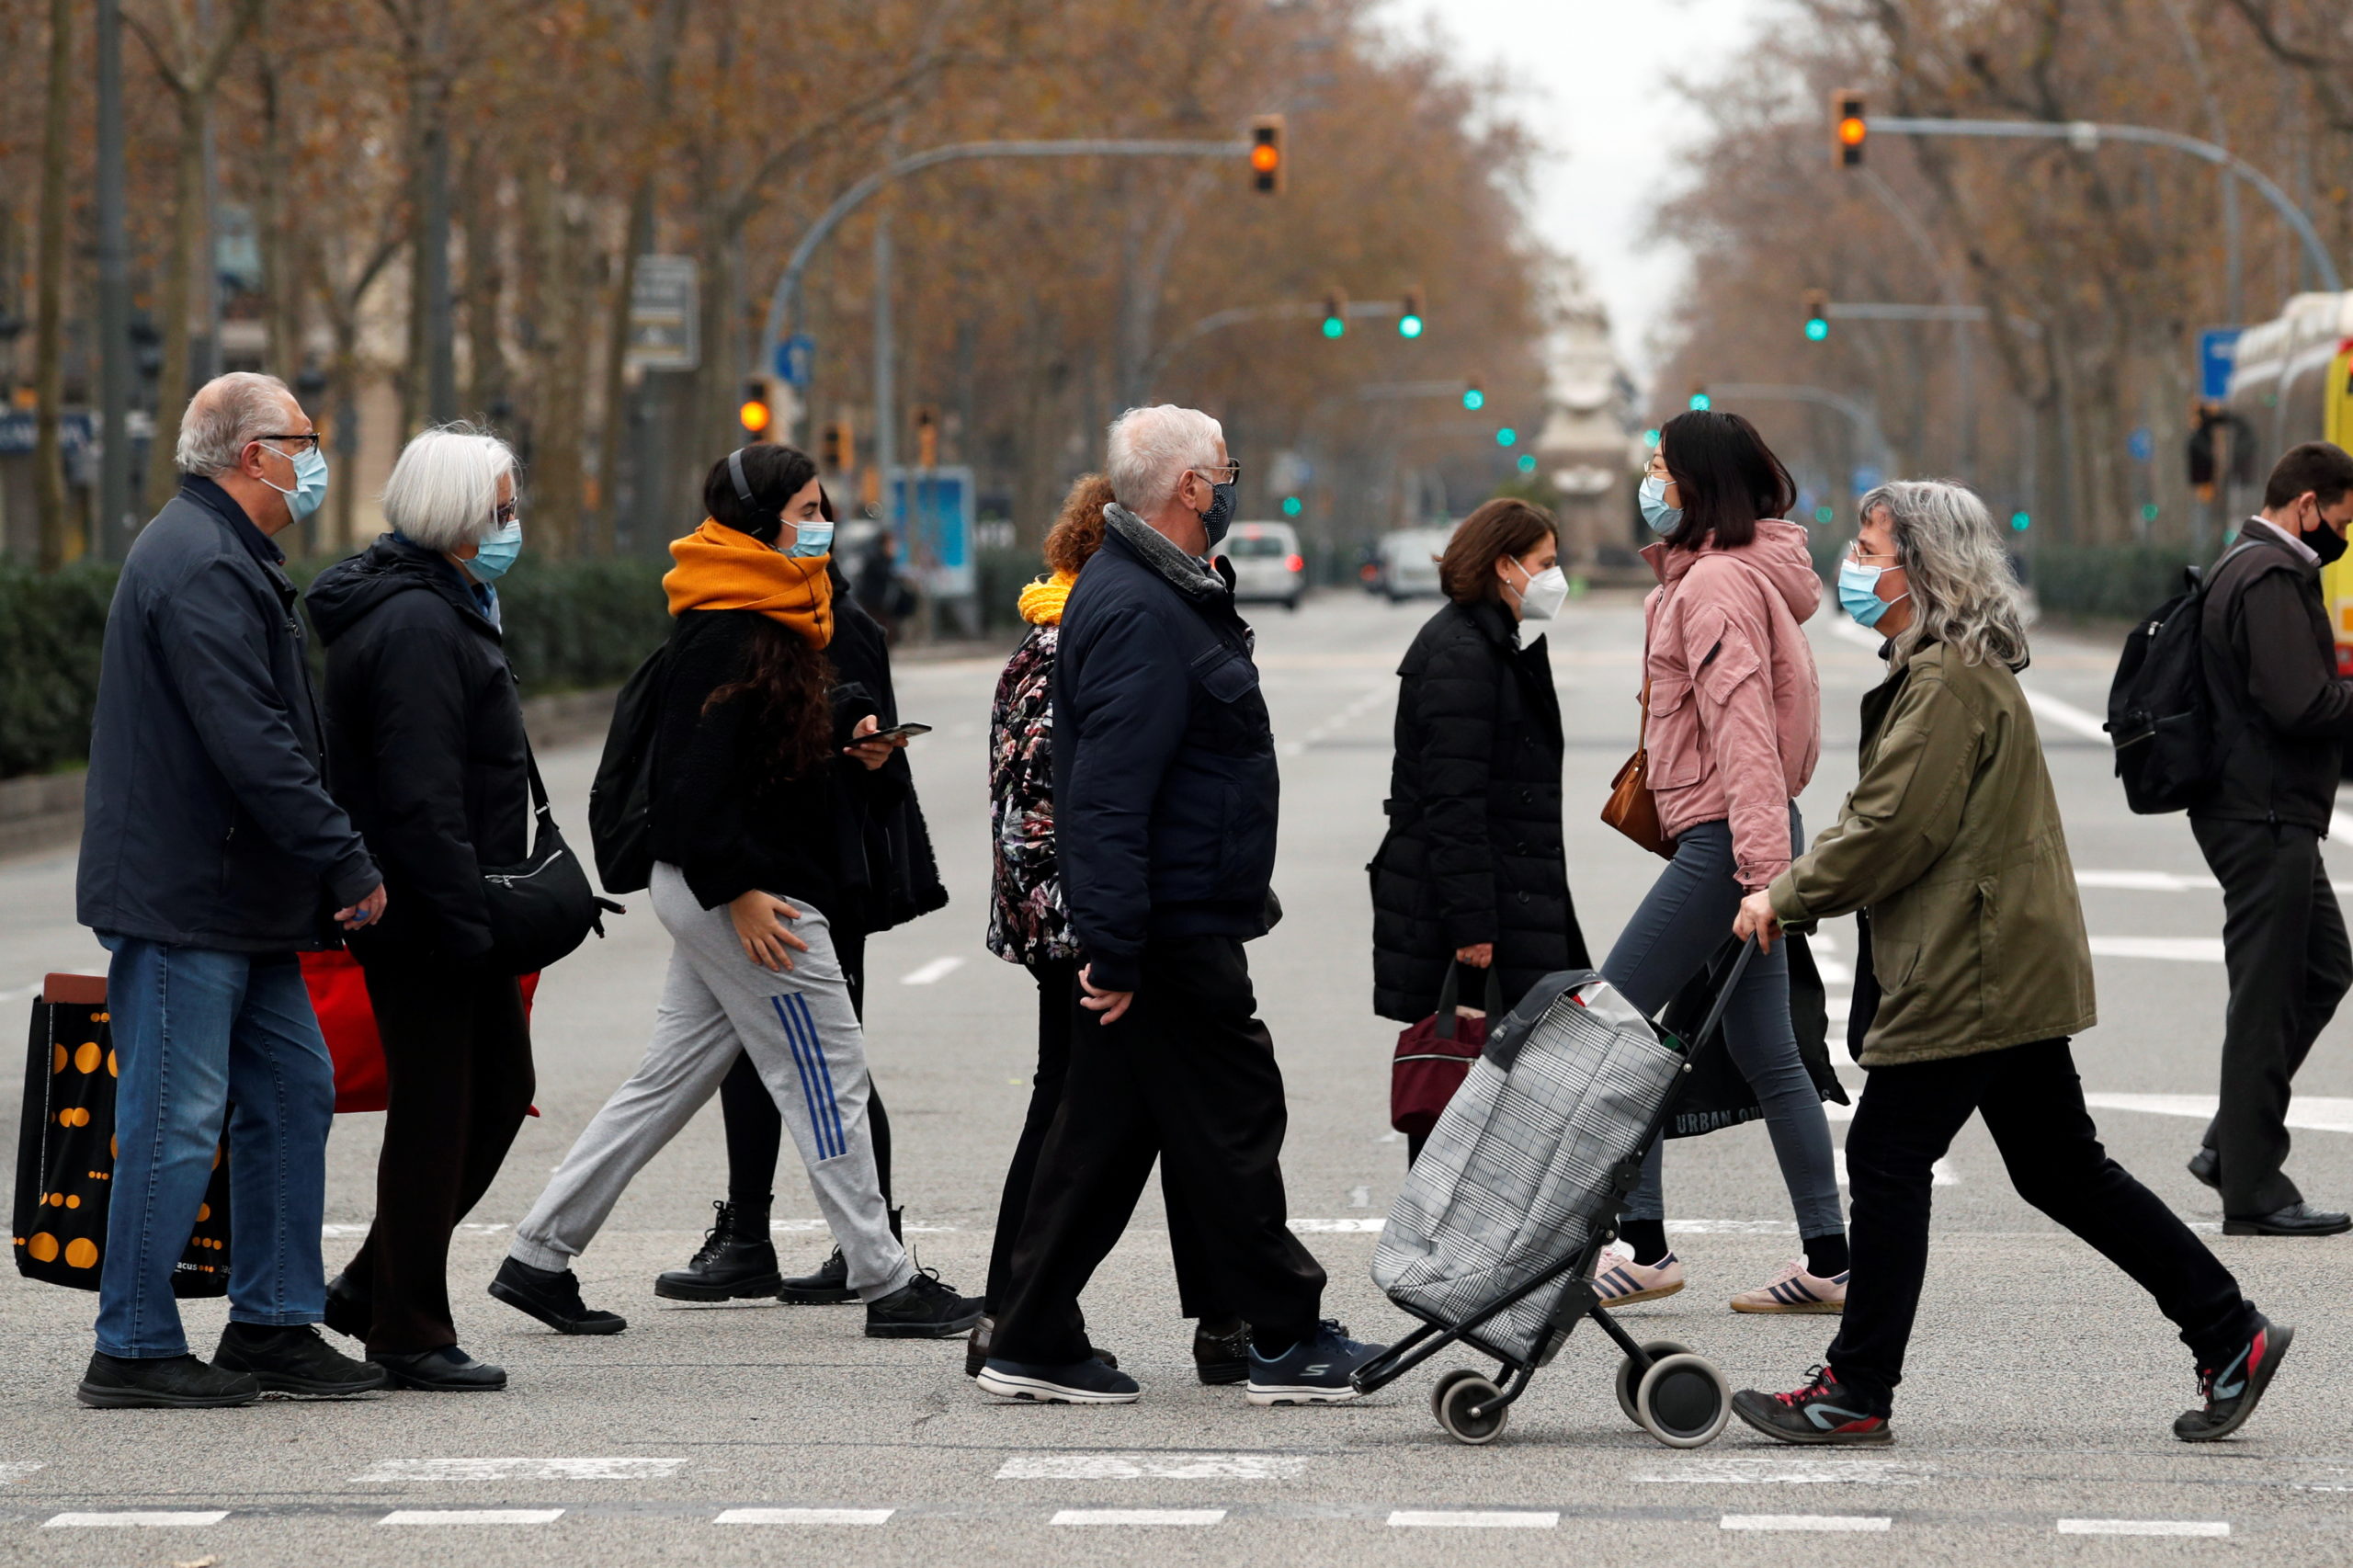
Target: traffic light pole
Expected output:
[1865,421]
[2085,136]
[1239,315]
[784,303]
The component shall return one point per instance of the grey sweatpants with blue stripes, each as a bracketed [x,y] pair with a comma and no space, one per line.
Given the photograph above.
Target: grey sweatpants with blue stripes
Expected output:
[805,1040]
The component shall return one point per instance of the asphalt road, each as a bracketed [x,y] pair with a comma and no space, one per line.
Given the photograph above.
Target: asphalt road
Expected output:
[2034,1424]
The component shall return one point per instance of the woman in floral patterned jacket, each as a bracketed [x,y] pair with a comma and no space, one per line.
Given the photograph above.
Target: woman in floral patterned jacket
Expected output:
[1029,925]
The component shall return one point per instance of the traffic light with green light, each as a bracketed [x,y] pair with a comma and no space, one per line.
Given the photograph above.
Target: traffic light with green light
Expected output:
[1293,506]
[2021,521]
[1507,436]
[1817,316]
[1473,399]
[1336,314]
[1700,402]
[1409,314]
[1527,462]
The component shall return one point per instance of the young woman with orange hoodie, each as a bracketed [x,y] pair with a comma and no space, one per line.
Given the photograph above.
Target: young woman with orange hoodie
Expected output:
[751,756]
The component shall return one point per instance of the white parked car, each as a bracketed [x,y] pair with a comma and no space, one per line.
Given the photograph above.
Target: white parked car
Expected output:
[1267,566]
[1408,561]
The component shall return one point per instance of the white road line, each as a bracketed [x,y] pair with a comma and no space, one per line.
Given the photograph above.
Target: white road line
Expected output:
[1777,1471]
[2313,1113]
[1730,1228]
[16,1470]
[2066,715]
[1473,1518]
[2144,882]
[806,1516]
[1833,972]
[2144,1526]
[1160,1466]
[2176,950]
[1138,1516]
[1942,1174]
[523,1470]
[1805,1522]
[472,1516]
[1333,722]
[1333,1227]
[933,973]
[151,1517]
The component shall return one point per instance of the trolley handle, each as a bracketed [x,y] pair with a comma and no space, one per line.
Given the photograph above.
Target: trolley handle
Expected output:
[1723,997]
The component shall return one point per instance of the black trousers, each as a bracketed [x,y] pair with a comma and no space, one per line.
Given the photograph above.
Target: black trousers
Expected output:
[1188,1242]
[1187,1078]
[2289,965]
[458,1062]
[755,1128]
[2033,1105]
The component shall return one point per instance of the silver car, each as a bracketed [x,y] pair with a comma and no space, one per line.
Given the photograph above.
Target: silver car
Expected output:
[1408,561]
[1267,566]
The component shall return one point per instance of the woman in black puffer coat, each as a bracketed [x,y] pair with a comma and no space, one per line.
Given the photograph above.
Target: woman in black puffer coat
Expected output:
[1473,868]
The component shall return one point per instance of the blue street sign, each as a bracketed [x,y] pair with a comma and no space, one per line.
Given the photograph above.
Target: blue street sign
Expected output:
[792,356]
[2141,445]
[1867,479]
[2218,350]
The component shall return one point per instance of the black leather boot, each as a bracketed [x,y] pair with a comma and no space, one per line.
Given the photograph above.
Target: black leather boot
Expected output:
[737,1260]
[829,1285]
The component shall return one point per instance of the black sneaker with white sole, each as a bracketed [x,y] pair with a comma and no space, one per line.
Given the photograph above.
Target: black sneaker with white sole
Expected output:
[2232,1389]
[923,1308]
[1315,1371]
[1080,1383]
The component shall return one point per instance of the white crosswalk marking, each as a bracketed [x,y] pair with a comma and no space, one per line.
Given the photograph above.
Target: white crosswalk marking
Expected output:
[472,1516]
[2144,1526]
[16,1470]
[142,1519]
[806,1516]
[1139,1517]
[522,1469]
[1159,1467]
[933,973]
[2311,1113]
[1780,1472]
[1846,1522]
[1478,1518]
[2174,949]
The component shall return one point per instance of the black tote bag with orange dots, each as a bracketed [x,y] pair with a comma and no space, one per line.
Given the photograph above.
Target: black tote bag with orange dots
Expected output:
[65,1151]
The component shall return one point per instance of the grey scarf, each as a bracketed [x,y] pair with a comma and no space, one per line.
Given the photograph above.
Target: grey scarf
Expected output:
[1186,574]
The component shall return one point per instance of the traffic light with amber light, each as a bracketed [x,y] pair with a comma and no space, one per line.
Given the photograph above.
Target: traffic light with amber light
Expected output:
[1848,128]
[1817,316]
[1409,314]
[757,411]
[1267,172]
[1336,314]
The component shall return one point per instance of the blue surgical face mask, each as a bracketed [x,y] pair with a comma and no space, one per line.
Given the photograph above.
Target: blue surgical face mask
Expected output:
[1859,592]
[309,481]
[814,537]
[497,551]
[1661,517]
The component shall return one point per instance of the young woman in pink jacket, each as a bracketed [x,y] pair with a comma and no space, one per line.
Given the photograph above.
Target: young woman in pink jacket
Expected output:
[1735,725]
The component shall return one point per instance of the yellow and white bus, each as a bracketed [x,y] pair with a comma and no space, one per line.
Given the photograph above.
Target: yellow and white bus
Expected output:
[2291,381]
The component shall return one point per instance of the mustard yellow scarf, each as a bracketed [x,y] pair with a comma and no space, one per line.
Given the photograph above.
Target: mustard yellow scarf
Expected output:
[1043,601]
[720,568]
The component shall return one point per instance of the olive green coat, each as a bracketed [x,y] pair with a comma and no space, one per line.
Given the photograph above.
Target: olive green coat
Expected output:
[1951,839]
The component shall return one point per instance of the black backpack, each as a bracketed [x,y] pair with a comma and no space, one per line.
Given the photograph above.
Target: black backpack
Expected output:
[620,801]
[2157,715]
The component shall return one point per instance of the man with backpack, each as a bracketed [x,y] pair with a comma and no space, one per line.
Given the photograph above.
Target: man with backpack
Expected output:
[2283,718]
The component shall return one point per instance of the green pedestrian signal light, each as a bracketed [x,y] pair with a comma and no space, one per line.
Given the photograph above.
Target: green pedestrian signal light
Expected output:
[1291,506]
[1507,436]
[2021,521]
[1473,399]
[1528,462]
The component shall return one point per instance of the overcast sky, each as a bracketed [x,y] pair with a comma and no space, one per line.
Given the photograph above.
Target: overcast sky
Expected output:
[1592,86]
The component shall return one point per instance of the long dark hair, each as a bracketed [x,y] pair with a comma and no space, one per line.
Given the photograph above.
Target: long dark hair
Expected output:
[789,683]
[1726,476]
[776,475]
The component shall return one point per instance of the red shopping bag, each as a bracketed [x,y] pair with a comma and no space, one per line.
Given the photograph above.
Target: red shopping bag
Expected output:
[339,996]
[1434,1056]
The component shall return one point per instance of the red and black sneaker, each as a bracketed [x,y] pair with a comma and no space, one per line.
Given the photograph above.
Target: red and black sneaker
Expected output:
[1822,1412]
[2232,1389]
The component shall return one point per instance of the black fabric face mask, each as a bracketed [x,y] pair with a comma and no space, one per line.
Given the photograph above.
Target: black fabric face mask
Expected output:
[2323,541]
[1220,517]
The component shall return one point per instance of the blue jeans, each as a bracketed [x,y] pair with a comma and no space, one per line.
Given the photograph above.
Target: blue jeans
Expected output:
[1686,916]
[202,1037]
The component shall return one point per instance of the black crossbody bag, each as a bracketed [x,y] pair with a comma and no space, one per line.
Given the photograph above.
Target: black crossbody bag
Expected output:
[543,908]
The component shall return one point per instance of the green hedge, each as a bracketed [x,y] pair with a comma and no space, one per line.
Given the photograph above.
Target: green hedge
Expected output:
[2120,581]
[571,625]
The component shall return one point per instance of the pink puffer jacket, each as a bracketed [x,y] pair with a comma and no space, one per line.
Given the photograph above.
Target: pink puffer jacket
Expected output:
[1736,723]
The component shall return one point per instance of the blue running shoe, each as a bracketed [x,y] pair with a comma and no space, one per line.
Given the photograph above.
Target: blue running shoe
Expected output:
[1080,1383]
[1313,1371]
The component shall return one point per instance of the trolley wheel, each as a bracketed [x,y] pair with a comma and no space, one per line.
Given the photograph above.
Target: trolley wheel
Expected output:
[1629,1374]
[1444,1382]
[1682,1400]
[1456,1394]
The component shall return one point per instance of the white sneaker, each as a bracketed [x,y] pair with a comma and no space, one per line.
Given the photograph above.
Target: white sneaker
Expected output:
[1795,1290]
[1619,1282]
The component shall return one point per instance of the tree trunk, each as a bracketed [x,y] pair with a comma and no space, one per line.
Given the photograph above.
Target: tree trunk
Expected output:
[188,227]
[284,320]
[57,531]
[485,291]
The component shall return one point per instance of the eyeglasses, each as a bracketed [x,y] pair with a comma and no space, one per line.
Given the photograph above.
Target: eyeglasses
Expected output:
[308,439]
[504,515]
[1232,471]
